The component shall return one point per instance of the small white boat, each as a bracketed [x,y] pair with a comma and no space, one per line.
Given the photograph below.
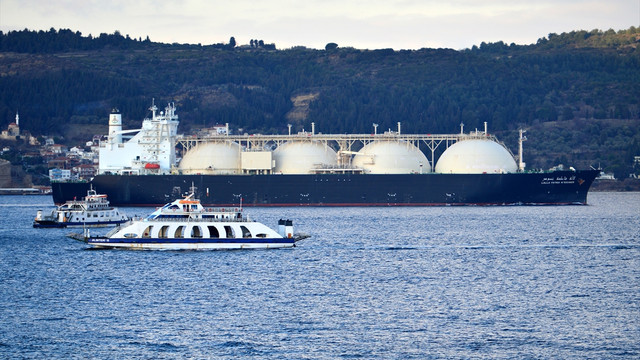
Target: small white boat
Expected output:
[186,225]
[92,211]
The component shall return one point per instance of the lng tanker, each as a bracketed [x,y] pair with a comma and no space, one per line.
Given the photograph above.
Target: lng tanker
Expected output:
[141,168]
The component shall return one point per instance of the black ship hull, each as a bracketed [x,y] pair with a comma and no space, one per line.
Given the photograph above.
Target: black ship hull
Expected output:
[545,188]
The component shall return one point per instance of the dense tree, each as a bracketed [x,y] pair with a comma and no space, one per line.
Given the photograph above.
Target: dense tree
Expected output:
[331,46]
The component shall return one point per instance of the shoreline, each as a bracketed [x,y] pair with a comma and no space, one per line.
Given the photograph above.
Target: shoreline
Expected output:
[626,185]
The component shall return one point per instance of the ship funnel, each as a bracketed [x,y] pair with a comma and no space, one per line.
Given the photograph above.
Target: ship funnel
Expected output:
[288,228]
[281,229]
[115,127]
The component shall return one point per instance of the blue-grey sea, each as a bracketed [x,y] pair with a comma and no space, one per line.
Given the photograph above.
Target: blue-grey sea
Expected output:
[514,282]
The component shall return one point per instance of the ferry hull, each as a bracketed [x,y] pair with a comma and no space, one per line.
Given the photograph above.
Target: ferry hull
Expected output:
[549,188]
[191,244]
[57,224]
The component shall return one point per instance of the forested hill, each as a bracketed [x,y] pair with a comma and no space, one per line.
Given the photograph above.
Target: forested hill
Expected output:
[62,82]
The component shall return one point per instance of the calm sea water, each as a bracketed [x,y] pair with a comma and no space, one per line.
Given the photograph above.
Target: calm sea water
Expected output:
[399,283]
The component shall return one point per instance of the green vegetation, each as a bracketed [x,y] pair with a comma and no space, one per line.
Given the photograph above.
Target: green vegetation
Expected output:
[584,84]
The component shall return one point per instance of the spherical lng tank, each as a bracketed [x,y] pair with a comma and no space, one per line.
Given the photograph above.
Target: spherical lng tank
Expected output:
[391,157]
[300,157]
[212,158]
[476,156]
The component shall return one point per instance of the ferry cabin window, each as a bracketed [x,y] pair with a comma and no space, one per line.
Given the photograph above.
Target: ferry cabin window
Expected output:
[245,232]
[179,232]
[147,232]
[213,232]
[163,231]
[170,216]
[229,231]
[196,232]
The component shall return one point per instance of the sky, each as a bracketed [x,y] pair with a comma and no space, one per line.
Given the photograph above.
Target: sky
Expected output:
[361,24]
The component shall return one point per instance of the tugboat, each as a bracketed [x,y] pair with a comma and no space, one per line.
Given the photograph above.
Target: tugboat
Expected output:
[92,211]
[185,224]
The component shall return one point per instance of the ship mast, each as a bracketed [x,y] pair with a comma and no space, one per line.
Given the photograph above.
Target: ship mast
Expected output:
[153,109]
[521,164]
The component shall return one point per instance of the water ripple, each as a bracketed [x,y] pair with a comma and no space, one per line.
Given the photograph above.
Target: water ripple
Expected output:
[372,283]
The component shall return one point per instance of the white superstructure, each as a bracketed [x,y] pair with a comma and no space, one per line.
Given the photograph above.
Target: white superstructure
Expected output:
[150,150]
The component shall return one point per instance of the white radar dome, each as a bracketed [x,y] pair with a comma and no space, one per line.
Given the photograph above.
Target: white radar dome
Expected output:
[300,157]
[391,157]
[212,158]
[476,156]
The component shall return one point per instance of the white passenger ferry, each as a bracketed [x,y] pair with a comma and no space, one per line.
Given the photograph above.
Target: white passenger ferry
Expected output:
[186,225]
[93,210]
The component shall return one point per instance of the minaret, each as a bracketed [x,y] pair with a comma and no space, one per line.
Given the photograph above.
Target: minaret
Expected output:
[115,127]
[15,130]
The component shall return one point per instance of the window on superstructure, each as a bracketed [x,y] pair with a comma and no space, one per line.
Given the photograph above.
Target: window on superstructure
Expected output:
[179,232]
[213,232]
[245,232]
[196,232]
[229,231]
[147,232]
[163,231]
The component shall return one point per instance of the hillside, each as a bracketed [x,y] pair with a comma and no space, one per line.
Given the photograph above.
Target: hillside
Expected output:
[578,93]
